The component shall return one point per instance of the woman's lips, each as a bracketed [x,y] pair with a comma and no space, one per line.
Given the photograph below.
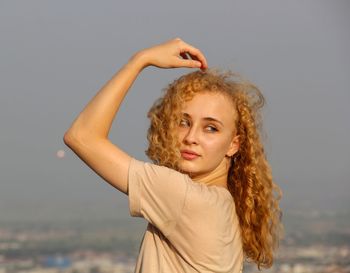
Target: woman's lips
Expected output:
[188,155]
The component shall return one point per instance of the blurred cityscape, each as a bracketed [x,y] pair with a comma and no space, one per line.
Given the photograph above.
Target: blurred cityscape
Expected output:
[314,242]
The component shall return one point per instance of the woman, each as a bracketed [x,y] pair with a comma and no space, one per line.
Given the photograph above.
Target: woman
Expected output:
[209,196]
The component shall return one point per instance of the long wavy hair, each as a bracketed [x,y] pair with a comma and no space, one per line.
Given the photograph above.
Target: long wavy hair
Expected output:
[250,181]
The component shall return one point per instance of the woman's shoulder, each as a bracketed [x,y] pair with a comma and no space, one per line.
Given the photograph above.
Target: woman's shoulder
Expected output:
[210,198]
[198,194]
[155,171]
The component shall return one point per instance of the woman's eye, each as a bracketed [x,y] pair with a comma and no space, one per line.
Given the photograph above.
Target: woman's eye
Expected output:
[184,123]
[211,128]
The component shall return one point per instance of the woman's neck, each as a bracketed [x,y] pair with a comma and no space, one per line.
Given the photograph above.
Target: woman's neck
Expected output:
[217,177]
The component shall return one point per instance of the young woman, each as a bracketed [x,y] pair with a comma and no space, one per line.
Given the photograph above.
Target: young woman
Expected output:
[209,194]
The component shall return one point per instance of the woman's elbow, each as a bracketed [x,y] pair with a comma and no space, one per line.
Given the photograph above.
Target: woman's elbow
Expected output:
[69,138]
[75,140]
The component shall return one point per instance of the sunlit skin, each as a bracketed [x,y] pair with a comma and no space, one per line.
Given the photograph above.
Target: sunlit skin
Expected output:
[208,129]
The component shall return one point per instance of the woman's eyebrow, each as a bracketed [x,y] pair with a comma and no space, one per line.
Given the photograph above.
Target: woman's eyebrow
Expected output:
[206,118]
[213,119]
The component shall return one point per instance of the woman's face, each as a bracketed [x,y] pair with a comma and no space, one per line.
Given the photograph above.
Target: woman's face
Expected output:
[206,133]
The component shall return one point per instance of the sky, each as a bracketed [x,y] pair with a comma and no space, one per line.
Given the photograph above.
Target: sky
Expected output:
[56,55]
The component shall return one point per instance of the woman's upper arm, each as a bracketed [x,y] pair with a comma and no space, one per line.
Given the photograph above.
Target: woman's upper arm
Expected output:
[104,158]
[156,193]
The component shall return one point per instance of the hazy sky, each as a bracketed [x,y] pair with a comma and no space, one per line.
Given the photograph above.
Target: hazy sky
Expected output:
[55,56]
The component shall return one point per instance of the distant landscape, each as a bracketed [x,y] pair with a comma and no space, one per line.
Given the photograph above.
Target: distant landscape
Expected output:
[314,241]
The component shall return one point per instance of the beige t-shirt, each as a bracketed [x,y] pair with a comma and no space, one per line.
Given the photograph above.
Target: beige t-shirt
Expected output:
[192,227]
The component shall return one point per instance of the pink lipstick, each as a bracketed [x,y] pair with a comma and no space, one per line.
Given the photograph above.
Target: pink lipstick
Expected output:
[189,155]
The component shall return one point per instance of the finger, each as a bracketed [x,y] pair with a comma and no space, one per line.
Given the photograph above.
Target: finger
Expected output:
[188,56]
[195,53]
[188,63]
[193,57]
[203,66]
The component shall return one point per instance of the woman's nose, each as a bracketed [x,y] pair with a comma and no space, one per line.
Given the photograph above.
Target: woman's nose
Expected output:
[192,136]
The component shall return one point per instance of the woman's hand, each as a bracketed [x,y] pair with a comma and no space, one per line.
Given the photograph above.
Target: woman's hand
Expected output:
[173,54]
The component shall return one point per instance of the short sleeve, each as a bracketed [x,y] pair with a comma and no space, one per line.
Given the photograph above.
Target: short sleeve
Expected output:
[156,193]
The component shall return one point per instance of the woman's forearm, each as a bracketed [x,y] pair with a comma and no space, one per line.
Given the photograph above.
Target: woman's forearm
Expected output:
[88,135]
[96,118]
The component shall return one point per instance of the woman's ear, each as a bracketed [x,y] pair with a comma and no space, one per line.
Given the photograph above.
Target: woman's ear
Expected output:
[234,146]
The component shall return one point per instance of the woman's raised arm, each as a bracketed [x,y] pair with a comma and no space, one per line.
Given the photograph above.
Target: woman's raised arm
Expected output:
[88,135]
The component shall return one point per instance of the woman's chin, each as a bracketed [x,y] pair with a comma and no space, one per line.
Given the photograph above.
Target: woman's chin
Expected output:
[186,170]
[191,172]
[185,167]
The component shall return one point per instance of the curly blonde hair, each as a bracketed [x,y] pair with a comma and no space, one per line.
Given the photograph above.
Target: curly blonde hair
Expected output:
[250,179]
